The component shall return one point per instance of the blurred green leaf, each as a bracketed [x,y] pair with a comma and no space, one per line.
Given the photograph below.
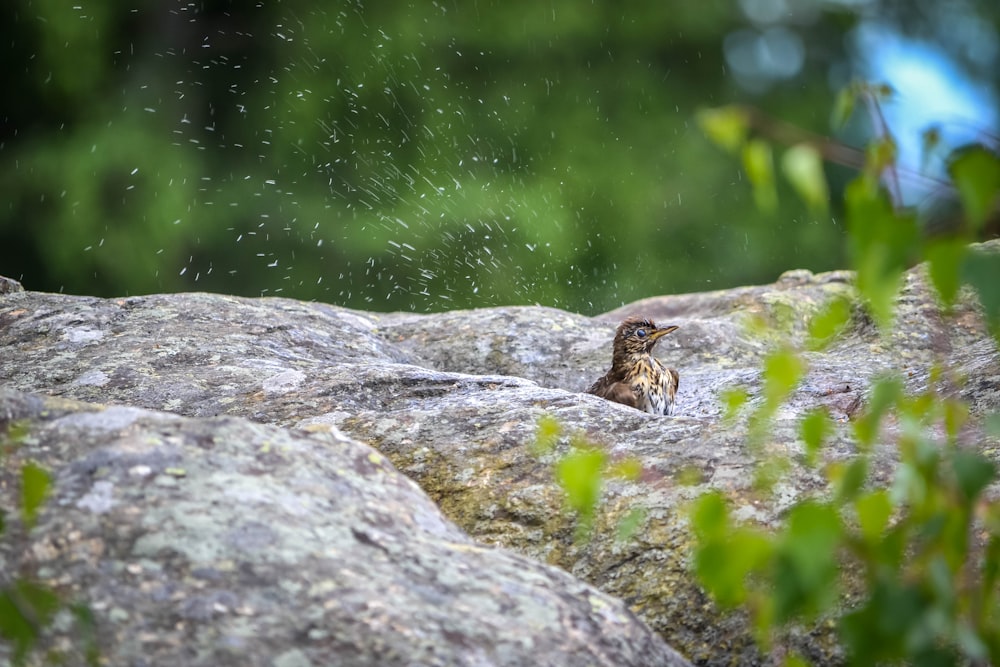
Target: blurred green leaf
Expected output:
[814,429]
[882,244]
[759,166]
[35,483]
[874,509]
[713,566]
[630,524]
[991,569]
[795,660]
[769,472]
[733,398]
[803,167]
[876,631]
[971,644]
[908,485]
[724,563]
[955,415]
[783,369]
[993,424]
[880,155]
[884,396]
[547,433]
[945,257]
[829,322]
[727,127]
[25,608]
[579,474]
[690,475]
[982,271]
[763,619]
[88,633]
[15,628]
[805,569]
[976,173]
[13,432]
[973,472]
[852,479]
[629,468]
[843,106]
[710,516]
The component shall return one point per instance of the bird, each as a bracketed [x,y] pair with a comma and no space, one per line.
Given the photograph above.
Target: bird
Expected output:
[637,378]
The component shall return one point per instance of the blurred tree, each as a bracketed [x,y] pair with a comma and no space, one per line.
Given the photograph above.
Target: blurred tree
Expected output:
[425,155]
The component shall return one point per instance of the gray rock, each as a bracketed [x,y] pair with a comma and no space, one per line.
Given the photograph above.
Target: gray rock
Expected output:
[223,542]
[9,285]
[453,400]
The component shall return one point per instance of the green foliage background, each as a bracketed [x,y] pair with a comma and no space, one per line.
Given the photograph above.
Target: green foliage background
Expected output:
[401,155]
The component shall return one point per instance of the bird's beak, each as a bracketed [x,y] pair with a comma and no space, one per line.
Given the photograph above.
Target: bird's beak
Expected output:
[661,332]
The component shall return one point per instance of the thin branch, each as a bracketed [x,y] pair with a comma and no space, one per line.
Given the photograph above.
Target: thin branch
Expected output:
[832,151]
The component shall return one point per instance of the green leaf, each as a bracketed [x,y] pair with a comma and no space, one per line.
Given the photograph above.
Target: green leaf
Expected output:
[874,510]
[813,429]
[35,483]
[722,565]
[629,468]
[769,472]
[547,434]
[976,172]
[805,572]
[852,479]
[882,244]
[630,524]
[991,566]
[812,527]
[710,516]
[843,106]
[14,432]
[945,257]
[971,644]
[982,271]
[993,424]
[783,369]
[803,167]
[15,628]
[579,474]
[955,415]
[25,608]
[829,322]
[880,155]
[42,601]
[759,166]
[973,473]
[87,626]
[733,398]
[876,631]
[884,396]
[712,567]
[727,127]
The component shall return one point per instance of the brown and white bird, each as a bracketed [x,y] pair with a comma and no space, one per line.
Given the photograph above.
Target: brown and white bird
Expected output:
[637,378]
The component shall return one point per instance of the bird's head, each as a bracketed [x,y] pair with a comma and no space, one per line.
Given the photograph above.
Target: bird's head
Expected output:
[638,335]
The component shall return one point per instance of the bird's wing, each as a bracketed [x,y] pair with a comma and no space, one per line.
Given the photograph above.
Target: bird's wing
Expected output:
[620,392]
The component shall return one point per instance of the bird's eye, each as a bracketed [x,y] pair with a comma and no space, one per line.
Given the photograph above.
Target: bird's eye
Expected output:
[641,333]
